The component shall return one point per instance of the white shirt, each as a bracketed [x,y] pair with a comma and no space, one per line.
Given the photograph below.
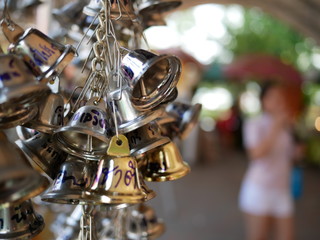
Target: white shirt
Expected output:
[273,170]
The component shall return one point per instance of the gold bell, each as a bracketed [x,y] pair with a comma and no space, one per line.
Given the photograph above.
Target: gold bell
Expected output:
[163,164]
[117,180]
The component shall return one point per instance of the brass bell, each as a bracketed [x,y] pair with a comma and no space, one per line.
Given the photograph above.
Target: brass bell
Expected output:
[20,221]
[18,88]
[151,77]
[18,181]
[50,114]
[87,133]
[163,164]
[117,180]
[156,6]
[43,154]
[145,139]
[128,117]
[44,56]
[143,224]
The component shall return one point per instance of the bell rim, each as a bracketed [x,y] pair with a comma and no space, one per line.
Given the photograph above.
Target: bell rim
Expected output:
[163,177]
[29,112]
[158,95]
[85,197]
[140,121]
[41,127]
[77,152]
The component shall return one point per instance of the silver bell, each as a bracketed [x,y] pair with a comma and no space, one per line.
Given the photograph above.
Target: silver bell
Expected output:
[42,152]
[18,181]
[128,117]
[50,114]
[87,133]
[151,78]
[19,221]
[179,119]
[145,139]
[18,116]
[44,56]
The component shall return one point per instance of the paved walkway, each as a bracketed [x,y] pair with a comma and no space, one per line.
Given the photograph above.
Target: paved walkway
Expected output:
[203,205]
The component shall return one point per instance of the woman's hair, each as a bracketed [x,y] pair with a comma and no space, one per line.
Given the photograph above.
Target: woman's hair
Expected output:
[266,86]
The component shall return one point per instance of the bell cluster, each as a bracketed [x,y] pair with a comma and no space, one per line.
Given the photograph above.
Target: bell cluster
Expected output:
[93,147]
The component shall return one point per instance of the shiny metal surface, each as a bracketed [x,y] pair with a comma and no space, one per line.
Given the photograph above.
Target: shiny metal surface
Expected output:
[18,181]
[145,139]
[151,78]
[50,114]
[143,224]
[87,133]
[25,133]
[90,182]
[186,117]
[72,184]
[163,164]
[129,118]
[158,6]
[43,153]
[20,222]
[44,56]
[15,117]
[18,88]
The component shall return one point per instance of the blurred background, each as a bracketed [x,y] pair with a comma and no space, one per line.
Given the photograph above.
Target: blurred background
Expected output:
[227,51]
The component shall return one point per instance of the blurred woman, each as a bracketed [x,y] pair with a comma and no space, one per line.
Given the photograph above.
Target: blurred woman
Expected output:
[265,196]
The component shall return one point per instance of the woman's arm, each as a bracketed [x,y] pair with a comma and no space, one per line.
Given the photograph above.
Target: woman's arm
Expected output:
[265,145]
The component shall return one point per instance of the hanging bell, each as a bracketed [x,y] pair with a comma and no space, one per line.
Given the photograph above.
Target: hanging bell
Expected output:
[117,180]
[143,224]
[151,78]
[129,118]
[18,181]
[72,184]
[18,88]
[163,164]
[44,56]
[184,116]
[43,154]
[145,138]
[19,221]
[156,6]
[50,114]
[87,133]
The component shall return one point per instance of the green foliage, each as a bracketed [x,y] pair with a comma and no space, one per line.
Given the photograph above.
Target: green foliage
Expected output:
[261,33]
